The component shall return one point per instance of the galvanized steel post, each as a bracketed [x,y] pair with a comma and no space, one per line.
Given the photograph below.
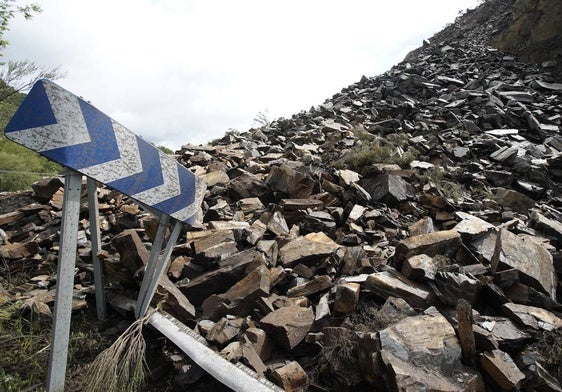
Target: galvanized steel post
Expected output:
[65,282]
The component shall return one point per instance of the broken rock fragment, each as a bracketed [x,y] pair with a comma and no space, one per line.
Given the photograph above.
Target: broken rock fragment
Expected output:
[533,317]
[501,368]
[389,283]
[390,189]
[291,377]
[288,326]
[303,248]
[445,242]
[347,297]
[318,284]
[241,297]
[423,352]
[532,260]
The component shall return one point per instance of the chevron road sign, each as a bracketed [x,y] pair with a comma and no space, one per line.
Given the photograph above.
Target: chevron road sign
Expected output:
[70,131]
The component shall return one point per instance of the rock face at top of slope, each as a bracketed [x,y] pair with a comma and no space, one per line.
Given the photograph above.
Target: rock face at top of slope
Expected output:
[528,29]
[535,33]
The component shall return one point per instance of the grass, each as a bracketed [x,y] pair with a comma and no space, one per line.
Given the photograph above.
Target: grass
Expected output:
[437,176]
[23,348]
[369,150]
[25,343]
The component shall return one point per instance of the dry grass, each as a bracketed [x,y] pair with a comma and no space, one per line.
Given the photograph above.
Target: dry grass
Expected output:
[122,366]
[371,150]
[550,347]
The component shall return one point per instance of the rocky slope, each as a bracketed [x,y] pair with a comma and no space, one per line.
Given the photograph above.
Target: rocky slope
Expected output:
[403,235]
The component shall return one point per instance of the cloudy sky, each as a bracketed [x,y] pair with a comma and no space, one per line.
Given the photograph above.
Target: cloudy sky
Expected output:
[186,71]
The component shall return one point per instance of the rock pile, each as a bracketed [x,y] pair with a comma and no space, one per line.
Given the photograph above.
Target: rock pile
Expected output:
[403,235]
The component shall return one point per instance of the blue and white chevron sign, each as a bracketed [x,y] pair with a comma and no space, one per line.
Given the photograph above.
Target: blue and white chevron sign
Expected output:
[62,127]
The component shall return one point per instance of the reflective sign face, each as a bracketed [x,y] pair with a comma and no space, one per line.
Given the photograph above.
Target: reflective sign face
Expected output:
[63,127]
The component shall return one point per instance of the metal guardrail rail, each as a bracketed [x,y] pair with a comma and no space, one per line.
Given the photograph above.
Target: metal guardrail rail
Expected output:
[235,376]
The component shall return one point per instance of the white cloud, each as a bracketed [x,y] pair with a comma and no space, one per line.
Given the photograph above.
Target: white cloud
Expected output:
[179,71]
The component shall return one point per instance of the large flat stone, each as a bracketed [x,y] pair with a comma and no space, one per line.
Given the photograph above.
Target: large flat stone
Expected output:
[309,246]
[424,353]
[501,368]
[386,283]
[533,261]
[533,317]
[444,242]
[390,189]
[288,326]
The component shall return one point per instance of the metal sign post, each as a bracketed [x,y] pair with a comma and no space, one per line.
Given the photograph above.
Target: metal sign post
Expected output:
[65,282]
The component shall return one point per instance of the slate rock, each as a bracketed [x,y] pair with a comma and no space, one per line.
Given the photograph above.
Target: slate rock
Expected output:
[501,368]
[248,185]
[347,297]
[533,317]
[514,200]
[288,326]
[546,225]
[312,245]
[533,261]
[389,189]
[240,298]
[291,377]
[387,283]
[445,242]
[471,226]
[420,267]
[133,253]
[45,188]
[423,226]
[318,284]
[423,352]
[499,332]
[450,287]
[289,181]
[229,271]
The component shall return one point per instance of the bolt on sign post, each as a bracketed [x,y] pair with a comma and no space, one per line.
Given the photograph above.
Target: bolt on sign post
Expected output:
[70,131]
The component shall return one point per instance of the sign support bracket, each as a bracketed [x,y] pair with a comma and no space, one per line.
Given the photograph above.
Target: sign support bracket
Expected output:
[96,247]
[156,265]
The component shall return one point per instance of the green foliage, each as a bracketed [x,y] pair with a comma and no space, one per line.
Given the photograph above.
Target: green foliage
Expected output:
[8,10]
[19,166]
[22,348]
[8,106]
[24,344]
[165,150]
[17,76]
[437,177]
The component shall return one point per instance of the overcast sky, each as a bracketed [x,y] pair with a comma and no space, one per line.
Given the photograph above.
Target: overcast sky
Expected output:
[186,71]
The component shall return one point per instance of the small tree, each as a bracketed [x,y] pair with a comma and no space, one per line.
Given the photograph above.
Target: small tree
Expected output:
[8,10]
[19,167]
[19,76]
